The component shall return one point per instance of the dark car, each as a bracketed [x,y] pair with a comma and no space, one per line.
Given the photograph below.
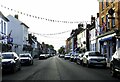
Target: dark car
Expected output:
[26,59]
[115,63]
[10,62]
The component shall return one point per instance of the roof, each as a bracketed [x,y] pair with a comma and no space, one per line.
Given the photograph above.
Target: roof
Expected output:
[20,22]
[24,24]
[3,17]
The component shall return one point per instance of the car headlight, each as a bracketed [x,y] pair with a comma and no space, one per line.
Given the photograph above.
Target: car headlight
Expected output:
[12,61]
[29,58]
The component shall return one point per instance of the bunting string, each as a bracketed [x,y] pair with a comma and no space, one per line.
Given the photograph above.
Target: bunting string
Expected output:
[50,33]
[42,18]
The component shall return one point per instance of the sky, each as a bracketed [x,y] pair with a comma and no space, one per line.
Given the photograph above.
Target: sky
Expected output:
[63,10]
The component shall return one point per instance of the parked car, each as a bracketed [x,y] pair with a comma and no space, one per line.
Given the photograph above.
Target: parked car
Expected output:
[75,57]
[42,56]
[80,58]
[93,58]
[115,63]
[10,62]
[26,59]
[67,56]
[71,57]
[61,55]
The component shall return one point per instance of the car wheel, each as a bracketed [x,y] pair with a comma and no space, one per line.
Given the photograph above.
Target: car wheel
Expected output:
[14,69]
[88,65]
[78,61]
[105,66]
[32,63]
[113,72]
[19,67]
[82,63]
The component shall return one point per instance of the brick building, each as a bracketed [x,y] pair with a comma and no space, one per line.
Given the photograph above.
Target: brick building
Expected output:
[109,20]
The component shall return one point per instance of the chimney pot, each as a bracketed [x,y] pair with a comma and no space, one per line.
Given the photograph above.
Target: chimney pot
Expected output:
[16,16]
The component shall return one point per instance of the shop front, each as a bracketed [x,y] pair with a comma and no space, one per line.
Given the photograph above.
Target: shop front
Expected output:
[108,46]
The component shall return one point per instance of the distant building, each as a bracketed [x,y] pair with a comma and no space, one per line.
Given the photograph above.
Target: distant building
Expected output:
[68,45]
[92,34]
[81,40]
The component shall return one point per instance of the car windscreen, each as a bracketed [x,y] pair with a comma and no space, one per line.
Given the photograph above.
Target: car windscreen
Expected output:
[76,54]
[95,54]
[67,55]
[7,56]
[24,56]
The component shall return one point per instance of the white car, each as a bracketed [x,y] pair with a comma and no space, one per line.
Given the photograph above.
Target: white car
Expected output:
[10,62]
[67,56]
[71,57]
[115,63]
[42,56]
[26,58]
[75,57]
[93,58]
[80,58]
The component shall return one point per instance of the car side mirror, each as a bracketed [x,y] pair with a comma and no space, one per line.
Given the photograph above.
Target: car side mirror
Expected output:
[87,56]
[15,58]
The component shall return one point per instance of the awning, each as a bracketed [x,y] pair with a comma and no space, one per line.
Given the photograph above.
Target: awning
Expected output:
[106,39]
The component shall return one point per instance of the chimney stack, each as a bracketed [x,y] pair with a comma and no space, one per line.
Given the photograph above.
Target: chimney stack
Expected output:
[16,16]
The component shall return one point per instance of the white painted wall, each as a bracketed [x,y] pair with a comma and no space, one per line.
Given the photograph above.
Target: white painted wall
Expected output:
[81,37]
[19,34]
[93,39]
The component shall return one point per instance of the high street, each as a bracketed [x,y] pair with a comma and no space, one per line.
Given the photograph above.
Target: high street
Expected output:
[56,68]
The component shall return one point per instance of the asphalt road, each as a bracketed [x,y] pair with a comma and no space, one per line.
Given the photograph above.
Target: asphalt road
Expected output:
[56,68]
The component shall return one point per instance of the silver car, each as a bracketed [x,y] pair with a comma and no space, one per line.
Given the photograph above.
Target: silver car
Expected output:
[26,59]
[93,58]
[80,58]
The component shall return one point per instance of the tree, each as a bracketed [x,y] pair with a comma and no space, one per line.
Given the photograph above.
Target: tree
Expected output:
[61,50]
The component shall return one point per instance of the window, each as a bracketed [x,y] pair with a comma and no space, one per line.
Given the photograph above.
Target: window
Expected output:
[95,46]
[102,20]
[2,26]
[102,26]
[107,4]
[107,23]
[102,5]
[112,1]
[113,21]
